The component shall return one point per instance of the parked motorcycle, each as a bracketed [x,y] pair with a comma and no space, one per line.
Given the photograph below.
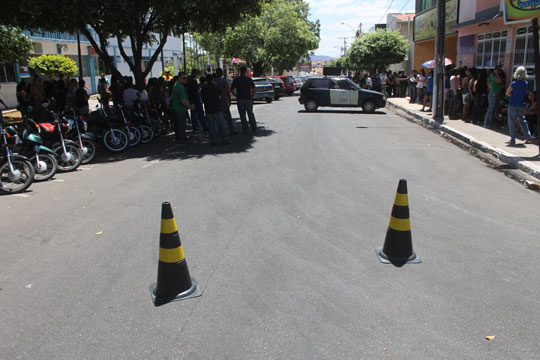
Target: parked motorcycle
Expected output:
[41,157]
[77,133]
[16,172]
[68,154]
[134,135]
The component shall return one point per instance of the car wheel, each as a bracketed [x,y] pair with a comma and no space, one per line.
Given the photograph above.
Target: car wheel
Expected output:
[276,98]
[269,100]
[311,105]
[369,106]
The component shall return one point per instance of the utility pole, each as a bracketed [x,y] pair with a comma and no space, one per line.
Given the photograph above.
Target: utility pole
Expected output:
[536,68]
[438,89]
[79,56]
[184,50]
[344,45]
[162,60]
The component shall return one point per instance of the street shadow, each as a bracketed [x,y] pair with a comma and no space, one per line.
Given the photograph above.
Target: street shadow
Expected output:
[164,147]
[339,111]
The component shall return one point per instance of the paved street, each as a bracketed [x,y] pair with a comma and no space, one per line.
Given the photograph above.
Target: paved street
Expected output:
[279,230]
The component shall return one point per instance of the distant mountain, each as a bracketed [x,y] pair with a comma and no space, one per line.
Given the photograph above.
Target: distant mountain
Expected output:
[321,58]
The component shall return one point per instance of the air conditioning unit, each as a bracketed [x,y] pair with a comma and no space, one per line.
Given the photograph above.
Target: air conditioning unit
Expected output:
[38,48]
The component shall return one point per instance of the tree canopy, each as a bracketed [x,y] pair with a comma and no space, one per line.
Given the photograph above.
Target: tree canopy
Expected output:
[53,66]
[140,22]
[280,36]
[14,46]
[376,50]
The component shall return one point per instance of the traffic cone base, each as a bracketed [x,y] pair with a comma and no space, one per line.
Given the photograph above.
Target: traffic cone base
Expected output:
[398,249]
[413,259]
[193,292]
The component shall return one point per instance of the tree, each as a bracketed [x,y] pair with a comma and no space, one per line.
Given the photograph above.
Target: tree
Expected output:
[280,36]
[377,50]
[140,22]
[14,46]
[53,66]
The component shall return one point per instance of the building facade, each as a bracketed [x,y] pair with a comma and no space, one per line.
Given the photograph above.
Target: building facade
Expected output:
[425,31]
[485,41]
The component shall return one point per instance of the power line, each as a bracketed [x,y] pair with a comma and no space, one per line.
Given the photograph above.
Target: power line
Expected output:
[382,17]
[404,5]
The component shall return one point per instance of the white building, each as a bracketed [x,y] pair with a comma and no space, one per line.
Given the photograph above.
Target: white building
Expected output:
[404,24]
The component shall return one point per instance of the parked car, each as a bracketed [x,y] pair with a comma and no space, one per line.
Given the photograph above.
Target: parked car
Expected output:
[279,91]
[299,82]
[339,92]
[263,90]
[288,84]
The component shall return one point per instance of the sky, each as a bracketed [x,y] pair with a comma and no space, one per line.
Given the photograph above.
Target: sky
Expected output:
[332,13]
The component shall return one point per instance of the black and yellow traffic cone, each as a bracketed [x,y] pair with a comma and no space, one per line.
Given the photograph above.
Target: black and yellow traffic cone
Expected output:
[398,248]
[173,280]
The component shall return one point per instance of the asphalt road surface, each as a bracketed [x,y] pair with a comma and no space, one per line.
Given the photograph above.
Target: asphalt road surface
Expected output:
[279,230]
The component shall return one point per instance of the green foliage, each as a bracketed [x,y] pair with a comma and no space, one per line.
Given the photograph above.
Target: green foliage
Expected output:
[137,21]
[280,36]
[377,50]
[53,66]
[14,46]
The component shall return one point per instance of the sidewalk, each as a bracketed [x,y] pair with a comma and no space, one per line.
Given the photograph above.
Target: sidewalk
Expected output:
[522,156]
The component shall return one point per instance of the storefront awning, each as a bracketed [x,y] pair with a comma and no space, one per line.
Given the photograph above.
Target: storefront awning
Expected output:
[481,16]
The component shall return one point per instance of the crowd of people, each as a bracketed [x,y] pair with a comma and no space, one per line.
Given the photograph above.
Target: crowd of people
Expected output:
[478,96]
[202,100]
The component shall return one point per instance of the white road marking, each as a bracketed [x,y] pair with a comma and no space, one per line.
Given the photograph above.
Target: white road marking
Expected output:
[84,168]
[22,195]
[59,180]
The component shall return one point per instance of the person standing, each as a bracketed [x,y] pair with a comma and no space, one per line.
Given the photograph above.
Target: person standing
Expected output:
[211,96]
[516,102]
[225,100]
[480,90]
[453,96]
[194,94]
[81,99]
[180,106]
[466,96]
[530,112]
[369,82]
[244,89]
[429,91]
[494,87]
[412,87]
[420,79]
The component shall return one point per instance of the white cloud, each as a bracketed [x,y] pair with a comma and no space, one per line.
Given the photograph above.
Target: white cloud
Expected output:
[332,13]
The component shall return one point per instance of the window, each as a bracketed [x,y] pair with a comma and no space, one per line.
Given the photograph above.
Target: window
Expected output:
[7,73]
[490,49]
[524,53]
[422,5]
[320,84]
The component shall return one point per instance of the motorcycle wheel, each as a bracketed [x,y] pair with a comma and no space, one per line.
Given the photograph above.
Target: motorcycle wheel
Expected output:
[147,134]
[115,140]
[89,156]
[74,162]
[156,127]
[46,174]
[13,187]
[134,135]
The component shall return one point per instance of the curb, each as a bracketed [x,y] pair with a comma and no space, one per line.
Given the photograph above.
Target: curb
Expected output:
[502,155]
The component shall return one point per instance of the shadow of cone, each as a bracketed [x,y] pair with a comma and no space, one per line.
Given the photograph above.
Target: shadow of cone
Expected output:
[397,248]
[173,279]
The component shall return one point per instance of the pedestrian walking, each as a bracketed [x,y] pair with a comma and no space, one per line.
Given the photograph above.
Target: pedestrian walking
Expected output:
[516,102]
[244,89]
[180,106]
[211,97]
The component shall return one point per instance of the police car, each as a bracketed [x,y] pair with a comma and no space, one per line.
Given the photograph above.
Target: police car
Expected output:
[339,92]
